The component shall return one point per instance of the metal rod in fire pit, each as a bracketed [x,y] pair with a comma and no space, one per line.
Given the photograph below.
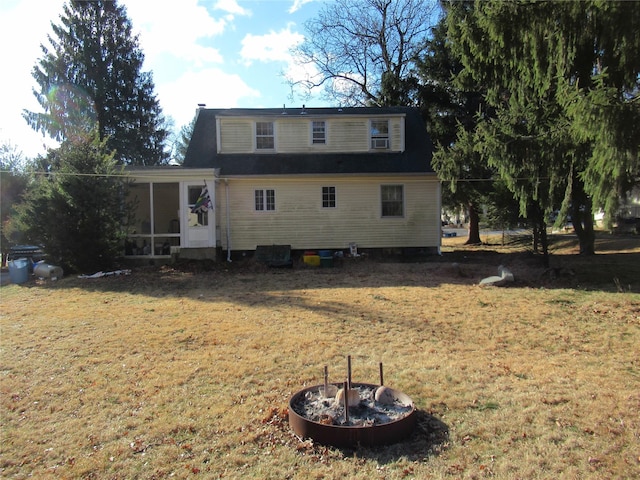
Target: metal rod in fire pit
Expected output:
[346,402]
[348,371]
[381,375]
[326,381]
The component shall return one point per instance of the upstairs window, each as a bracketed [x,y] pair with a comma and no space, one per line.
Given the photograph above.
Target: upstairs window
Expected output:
[380,134]
[318,132]
[265,200]
[392,197]
[264,136]
[328,197]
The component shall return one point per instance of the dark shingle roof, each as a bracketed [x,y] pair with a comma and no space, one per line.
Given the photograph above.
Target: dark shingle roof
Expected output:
[416,158]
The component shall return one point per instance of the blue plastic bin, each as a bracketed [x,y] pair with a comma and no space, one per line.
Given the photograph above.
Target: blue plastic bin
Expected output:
[19,270]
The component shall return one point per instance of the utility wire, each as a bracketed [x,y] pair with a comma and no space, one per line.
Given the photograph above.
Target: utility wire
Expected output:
[125,175]
[72,174]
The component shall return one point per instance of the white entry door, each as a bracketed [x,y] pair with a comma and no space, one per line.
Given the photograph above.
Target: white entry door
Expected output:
[199,225]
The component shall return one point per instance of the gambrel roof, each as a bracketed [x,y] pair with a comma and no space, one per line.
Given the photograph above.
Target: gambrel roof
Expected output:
[416,157]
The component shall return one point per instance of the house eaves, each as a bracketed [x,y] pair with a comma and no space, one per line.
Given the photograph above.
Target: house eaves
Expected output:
[166,173]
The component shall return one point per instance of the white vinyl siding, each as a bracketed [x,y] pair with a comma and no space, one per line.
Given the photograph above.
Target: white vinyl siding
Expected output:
[349,134]
[396,134]
[293,135]
[301,221]
[235,136]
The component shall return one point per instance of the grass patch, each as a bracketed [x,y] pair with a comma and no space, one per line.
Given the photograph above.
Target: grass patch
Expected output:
[182,373]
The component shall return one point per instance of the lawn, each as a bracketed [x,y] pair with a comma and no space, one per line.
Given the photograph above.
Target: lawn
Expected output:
[186,371]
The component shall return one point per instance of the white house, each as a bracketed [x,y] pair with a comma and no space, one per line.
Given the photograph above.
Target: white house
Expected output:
[310,178]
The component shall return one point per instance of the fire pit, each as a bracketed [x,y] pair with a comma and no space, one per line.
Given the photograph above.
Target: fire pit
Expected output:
[348,414]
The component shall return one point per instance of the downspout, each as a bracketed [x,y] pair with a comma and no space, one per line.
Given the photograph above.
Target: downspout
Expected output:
[226,191]
[439,215]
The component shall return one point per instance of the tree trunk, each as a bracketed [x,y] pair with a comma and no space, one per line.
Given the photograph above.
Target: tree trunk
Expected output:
[474,226]
[536,238]
[544,242]
[540,239]
[583,226]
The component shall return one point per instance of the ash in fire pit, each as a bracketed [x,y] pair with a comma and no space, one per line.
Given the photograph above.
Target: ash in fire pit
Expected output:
[366,412]
[355,414]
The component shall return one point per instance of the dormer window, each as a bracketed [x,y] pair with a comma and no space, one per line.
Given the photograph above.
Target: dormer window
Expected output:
[318,132]
[264,136]
[380,134]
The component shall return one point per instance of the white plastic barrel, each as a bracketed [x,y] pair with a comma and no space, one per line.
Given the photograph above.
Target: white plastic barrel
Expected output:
[44,270]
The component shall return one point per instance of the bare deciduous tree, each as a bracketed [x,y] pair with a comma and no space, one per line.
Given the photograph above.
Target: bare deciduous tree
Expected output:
[362,52]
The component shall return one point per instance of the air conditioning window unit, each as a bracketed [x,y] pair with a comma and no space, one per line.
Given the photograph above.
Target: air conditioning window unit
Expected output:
[380,143]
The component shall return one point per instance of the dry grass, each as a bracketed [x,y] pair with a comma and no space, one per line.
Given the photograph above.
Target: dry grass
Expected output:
[187,373]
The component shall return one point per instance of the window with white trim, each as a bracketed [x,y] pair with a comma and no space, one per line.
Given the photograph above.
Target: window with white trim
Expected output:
[318,132]
[328,197]
[265,200]
[265,139]
[380,134]
[392,200]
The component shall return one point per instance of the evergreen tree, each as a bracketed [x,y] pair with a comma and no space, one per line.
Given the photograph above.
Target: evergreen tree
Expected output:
[13,181]
[452,105]
[74,207]
[563,78]
[91,77]
[181,143]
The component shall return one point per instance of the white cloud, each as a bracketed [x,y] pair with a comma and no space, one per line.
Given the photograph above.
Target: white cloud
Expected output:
[175,29]
[211,86]
[297,5]
[22,29]
[231,6]
[302,75]
[272,47]
[166,29]
[298,72]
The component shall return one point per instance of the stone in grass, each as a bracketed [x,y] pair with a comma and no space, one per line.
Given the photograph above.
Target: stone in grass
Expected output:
[504,276]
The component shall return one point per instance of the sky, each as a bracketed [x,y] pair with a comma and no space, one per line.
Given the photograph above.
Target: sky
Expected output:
[223,53]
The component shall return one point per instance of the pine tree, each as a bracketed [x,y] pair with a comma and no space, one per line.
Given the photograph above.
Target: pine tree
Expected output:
[13,181]
[76,209]
[91,77]
[452,104]
[181,143]
[563,79]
